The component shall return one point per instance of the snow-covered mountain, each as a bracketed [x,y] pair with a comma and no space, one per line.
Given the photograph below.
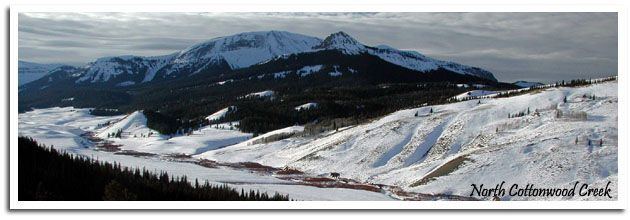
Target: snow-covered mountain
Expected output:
[105,69]
[341,41]
[226,53]
[56,76]
[29,71]
[408,59]
[223,54]
[246,49]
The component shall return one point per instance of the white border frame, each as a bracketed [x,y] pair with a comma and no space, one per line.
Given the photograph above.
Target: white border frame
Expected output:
[622,203]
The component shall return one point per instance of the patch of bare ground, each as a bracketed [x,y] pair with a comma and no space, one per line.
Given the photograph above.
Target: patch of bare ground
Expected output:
[443,170]
[288,171]
[297,177]
[90,136]
[317,179]
[207,163]
[108,147]
[179,156]
[251,166]
[323,182]
[135,153]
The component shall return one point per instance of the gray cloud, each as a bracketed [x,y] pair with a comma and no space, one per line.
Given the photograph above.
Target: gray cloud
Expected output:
[514,46]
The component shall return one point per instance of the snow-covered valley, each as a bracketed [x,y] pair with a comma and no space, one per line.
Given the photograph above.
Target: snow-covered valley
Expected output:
[440,149]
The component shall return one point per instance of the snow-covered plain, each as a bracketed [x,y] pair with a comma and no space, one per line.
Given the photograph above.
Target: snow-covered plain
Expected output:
[62,127]
[443,152]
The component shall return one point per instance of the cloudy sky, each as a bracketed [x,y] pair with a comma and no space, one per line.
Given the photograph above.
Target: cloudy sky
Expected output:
[542,47]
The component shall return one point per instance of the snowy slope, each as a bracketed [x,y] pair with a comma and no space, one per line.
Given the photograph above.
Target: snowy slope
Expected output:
[221,113]
[476,94]
[266,93]
[132,125]
[306,106]
[106,68]
[29,71]
[400,149]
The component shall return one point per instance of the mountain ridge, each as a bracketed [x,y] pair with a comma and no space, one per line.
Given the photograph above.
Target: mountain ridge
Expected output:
[31,71]
[223,54]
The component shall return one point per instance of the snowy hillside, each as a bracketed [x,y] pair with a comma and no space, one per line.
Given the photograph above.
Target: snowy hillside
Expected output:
[221,113]
[306,106]
[476,94]
[266,93]
[29,71]
[464,143]
[131,125]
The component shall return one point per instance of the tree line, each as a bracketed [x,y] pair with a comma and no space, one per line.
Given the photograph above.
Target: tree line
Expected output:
[47,174]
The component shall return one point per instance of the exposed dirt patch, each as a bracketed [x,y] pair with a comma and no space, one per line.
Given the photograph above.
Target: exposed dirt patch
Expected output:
[288,171]
[109,147]
[135,153]
[445,169]
[179,156]
[207,163]
[318,179]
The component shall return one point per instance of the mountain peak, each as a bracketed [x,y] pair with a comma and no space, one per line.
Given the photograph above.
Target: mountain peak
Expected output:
[341,41]
[248,48]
